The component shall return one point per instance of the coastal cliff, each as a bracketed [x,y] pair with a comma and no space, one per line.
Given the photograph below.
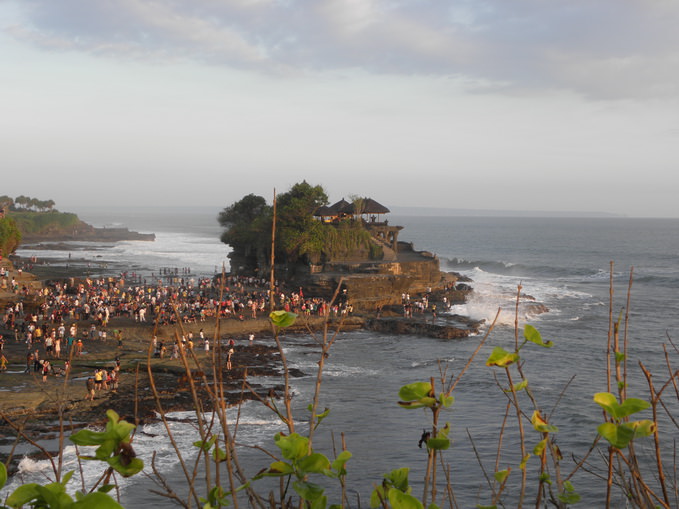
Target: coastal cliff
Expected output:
[87,232]
[64,226]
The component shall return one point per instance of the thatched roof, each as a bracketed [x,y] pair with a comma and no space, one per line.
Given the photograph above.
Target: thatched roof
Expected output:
[369,206]
[340,206]
[333,210]
[323,210]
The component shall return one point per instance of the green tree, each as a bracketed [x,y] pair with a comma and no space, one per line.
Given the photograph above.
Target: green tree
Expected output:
[6,202]
[22,201]
[298,232]
[247,226]
[10,236]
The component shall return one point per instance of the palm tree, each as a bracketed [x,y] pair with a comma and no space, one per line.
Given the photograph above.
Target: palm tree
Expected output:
[21,200]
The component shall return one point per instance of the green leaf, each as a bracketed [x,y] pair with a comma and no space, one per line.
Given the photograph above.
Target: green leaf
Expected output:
[438,443]
[400,500]
[619,357]
[569,496]
[23,495]
[531,334]
[292,447]
[518,387]
[540,447]
[219,454]
[376,497]
[610,404]
[67,477]
[633,405]
[308,490]
[96,500]
[501,475]
[282,319]
[320,503]
[541,425]
[340,461]
[420,403]
[314,463]
[89,437]
[205,445]
[280,468]
[501,358]
[525,459]
[123,429]
[446,401]
[398,478]
[276,469]
[127,467]
[432,505]
[618,435]
[643,428]
[415,391]
[3,475]
[53,495]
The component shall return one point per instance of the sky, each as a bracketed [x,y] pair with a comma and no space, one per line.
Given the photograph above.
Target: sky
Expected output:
[532,105]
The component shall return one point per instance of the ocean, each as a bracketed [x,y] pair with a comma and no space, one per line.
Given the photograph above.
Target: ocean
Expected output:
[563,263]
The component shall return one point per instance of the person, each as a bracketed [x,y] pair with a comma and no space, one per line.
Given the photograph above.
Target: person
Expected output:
[45,369]
[89,384]
[251,337]
[207,346]
[29,361]
[114,381]
[3,362]
[98,379]
[228,358]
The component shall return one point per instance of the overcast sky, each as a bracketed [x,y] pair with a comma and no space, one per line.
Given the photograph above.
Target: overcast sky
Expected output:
[560,105]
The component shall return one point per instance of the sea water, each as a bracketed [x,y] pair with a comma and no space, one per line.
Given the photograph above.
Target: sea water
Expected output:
[562,263]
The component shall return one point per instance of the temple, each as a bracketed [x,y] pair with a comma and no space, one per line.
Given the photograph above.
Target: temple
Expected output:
[370,213]
[378,281]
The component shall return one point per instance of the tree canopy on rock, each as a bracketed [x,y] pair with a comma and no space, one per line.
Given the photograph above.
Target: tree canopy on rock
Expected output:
[300,238]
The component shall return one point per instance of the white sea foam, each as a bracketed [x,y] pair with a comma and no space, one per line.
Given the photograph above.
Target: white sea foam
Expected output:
[256,426]
[204,255]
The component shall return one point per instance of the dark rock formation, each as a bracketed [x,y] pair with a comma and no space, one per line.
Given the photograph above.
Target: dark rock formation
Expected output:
[422,328]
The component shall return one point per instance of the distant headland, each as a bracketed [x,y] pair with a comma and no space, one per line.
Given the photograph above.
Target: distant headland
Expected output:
[29,220]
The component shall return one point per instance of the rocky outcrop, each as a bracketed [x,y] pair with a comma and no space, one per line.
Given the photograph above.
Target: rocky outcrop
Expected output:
[461,329]
[375,284]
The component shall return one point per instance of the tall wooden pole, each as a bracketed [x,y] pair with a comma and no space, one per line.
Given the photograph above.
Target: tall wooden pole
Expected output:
[273,242]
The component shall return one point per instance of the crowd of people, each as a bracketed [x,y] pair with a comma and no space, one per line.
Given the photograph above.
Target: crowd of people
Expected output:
[57,320]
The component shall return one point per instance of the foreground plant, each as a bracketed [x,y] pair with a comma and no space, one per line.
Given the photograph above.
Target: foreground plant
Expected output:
[114,449]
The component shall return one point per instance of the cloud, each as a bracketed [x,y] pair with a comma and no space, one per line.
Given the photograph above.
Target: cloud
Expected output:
[605,49]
